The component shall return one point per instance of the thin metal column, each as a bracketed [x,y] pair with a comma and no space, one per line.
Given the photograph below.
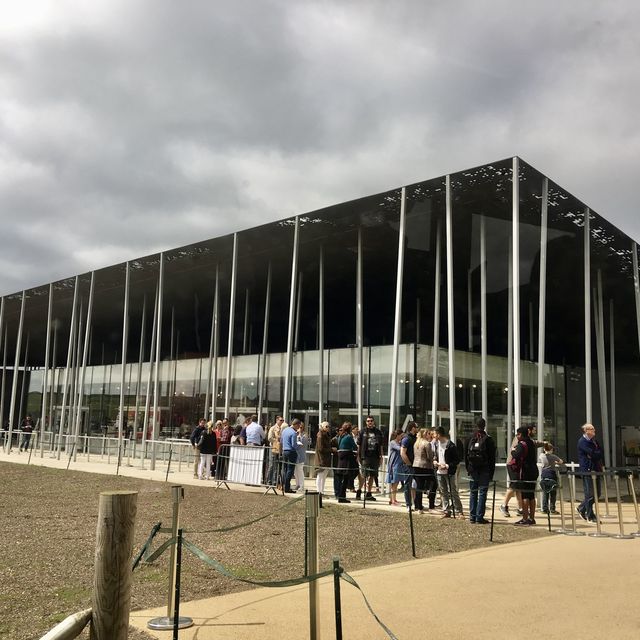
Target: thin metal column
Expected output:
[24,379]
[55,381]
[636,286]
[436,331]
[147,403]
[296,334]
[85,357]
[245,332]
[359,328]
[125,344]
[469,313]
[483,316]
[292,300]
[216,341]
[265,341]
[612,364]
[232,317]
[515,267]
[451,343]
[542,305]
[321,336]
[143,328]
[397,321]
[156,376]
[14,380]
[43,412]
[602,368]
[587,316]
[210,361]
[72,333]
[4,369]
[510,425]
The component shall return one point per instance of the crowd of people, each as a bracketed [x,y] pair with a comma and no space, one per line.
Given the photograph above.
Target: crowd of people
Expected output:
[423,464]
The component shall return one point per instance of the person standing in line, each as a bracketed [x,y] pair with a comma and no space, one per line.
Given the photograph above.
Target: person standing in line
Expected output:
[289,442]
[407,454]
[207,446]
[447,463]
[194,438]
[422,467]
[27,430]
[254,435]
[525,464]
[347,460]
[590,458]
[223,442]
[302,442]
[549,478]
[480,461]
[369,455]
[323,457]
[273,439]
[393,467]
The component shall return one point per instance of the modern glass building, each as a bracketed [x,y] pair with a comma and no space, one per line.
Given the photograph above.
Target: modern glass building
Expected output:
[467,295]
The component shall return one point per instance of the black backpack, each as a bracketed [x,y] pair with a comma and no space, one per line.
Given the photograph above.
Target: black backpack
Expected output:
[477,455]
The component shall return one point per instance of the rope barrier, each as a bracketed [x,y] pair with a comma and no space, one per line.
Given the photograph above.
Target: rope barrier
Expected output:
[142,554]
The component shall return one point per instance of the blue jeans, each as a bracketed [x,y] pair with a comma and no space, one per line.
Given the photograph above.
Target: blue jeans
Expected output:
[405,474]
[548,486]
[586,506]
[289,459]
[478,488]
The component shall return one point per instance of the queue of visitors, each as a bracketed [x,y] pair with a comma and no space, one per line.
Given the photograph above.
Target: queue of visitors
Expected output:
[422,462]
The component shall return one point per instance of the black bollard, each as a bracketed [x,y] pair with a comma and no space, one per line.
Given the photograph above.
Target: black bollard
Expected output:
[337,570]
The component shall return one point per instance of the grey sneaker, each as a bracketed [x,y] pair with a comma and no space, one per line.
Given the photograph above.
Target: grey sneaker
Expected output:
[505,511]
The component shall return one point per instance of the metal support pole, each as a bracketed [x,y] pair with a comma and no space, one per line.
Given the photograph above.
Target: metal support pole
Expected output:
[265,341]
[612,365]
[596,503]
[321,336]
[587,316]
[312,502]
[510,431]
[232,319]
[436,331]
[147,403]
[210,361]
[636,286]
[14,379]
[72,330]
[413,537]
[515,296]
[451,349]
[245,331]
[622,535]
[572,501]
[359,330]
[85,356]
[125,344]
[143,328]
[483,316]
[542,304]
[290,331]
[337,570]
[469,312]
[216,343]
[602,367]
[634,498]
[45,381]
[562,528]
[156,376]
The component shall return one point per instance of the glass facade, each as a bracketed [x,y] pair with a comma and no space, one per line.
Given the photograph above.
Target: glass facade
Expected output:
[319,311]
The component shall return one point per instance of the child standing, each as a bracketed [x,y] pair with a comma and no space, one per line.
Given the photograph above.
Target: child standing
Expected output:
[549,478]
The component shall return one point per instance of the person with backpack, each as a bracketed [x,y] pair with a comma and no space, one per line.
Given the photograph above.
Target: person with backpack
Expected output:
[524,464]
[480,461]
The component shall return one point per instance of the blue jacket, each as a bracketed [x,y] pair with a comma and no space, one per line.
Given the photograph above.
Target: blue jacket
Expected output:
[590,455]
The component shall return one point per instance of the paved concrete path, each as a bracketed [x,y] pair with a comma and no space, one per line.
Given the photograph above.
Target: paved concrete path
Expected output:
[552,588]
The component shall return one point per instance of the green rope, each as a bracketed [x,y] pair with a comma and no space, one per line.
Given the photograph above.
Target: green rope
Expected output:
[142,554]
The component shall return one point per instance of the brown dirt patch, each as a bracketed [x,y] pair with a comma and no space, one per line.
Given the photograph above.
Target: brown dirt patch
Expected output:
[48,525]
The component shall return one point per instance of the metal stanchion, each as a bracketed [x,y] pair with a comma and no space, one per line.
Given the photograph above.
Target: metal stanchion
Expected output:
[632,492]
[493,510]
[166,477]
[167,623]
[598,533]
[606,515]
[413,538]
[622,535]
[312,502]
[176,609]
[337,570]
[562,528]
[572,501]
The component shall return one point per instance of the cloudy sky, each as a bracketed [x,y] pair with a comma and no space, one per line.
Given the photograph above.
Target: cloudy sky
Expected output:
[131,126]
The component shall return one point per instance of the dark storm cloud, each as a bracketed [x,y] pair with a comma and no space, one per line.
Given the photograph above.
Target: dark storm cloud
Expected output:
[134,126]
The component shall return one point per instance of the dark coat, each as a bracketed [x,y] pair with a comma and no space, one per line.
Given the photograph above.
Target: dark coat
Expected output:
[490,467]
[590,455]
[208,442]
[323,449]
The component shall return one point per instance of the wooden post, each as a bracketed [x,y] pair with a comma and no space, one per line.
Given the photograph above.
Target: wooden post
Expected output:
[112,581]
